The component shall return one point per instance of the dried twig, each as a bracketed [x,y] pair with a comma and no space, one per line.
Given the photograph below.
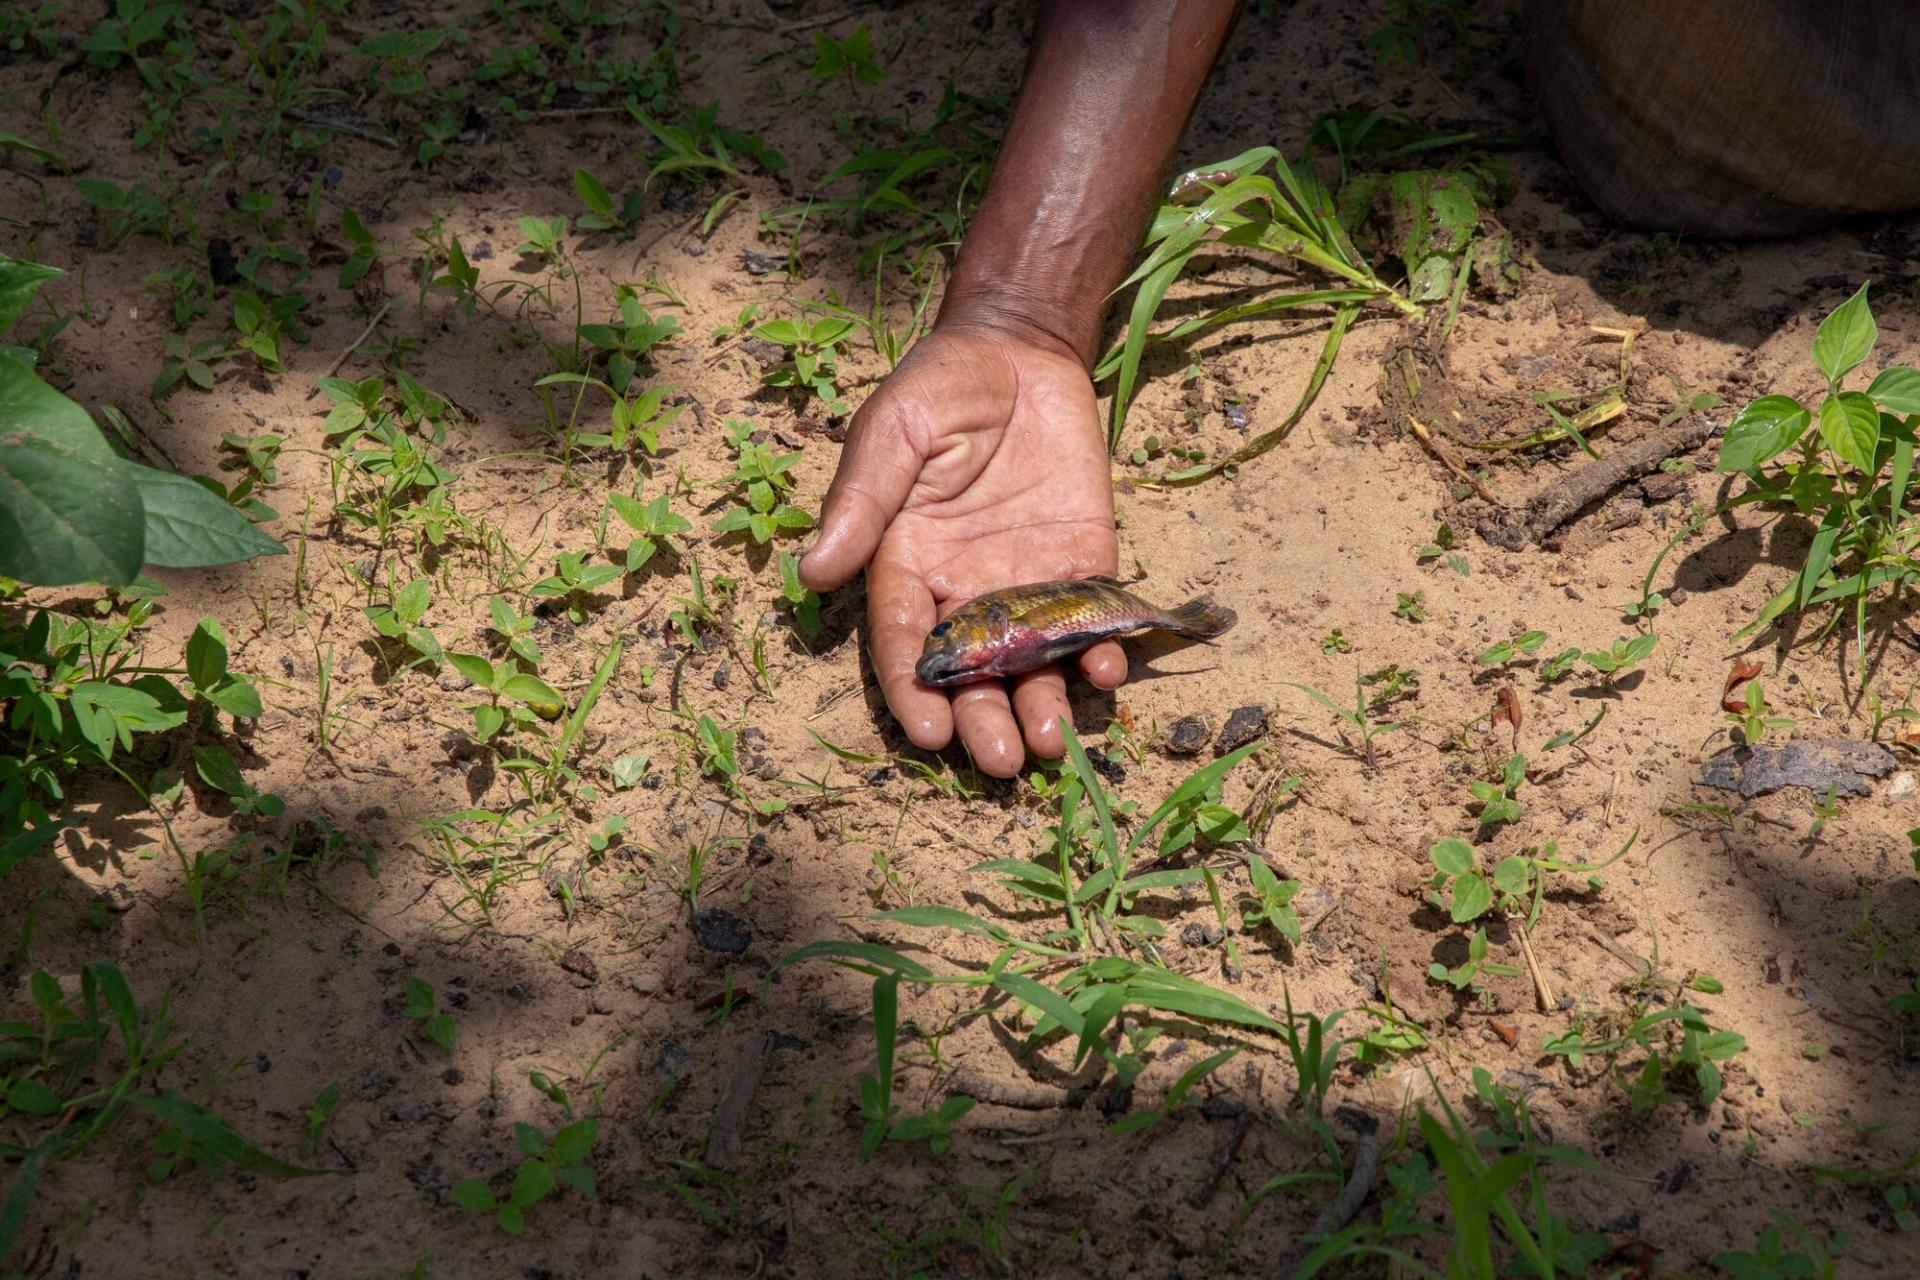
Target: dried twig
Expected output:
[343,126]
[352,347]
[730,1117]
[1365,1168]
[1540,989]
[1558,502]
[1446,460]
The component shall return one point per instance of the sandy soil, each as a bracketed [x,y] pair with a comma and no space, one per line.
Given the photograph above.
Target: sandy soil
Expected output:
[615,994]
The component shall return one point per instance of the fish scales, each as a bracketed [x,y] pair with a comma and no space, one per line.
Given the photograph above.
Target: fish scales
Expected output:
[1020,629]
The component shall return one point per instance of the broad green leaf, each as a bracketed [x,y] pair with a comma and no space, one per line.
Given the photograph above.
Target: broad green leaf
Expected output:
[530,689]
[64,515]
[1510,875]
[188,527]
[19,281]
[474,1195]
[1897,388]
[572,1143]
[592,193]
[1845,337]
[1455,857]
[14,142]
[1471,898]
[207,654]
[216,767]
[473,667]
[1850,425]
[1760,431]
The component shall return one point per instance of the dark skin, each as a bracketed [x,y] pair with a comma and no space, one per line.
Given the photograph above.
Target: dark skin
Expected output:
[981,462]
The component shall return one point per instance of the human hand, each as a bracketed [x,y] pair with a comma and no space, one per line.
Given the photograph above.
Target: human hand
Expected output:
[979,463]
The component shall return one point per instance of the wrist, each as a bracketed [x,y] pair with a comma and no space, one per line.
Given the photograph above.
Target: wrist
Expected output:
[1005,310]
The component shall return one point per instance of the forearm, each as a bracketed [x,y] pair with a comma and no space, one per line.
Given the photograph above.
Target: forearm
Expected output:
[1108,89]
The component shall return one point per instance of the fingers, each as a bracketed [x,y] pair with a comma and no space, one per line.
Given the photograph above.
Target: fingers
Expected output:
[984,718]
[1104,665]
[877,470]
[899,612]
[1040,702]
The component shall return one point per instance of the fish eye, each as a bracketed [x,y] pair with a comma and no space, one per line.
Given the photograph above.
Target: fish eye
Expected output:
[942,629]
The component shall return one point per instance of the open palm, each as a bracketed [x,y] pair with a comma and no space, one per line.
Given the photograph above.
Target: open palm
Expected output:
[978,464]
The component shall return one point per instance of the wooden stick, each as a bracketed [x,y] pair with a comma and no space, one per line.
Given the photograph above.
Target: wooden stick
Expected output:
[352,347]
[1425,437]
[730,1117]
[1540,989]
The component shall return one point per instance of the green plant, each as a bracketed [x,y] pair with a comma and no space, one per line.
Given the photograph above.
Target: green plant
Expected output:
[1752,718]
[515,631]
[573,577]
[71,510]
[1559,665]
[1411,607]
[1176,1095]
[1849,477]
[1771,1259]
[850,55]
[1443,547]
[1472,891]
[653,525]
[1469,972]
[877,1107]
[802,601]
[1497,802]
[627,344]
[602,213]
[1683,1056]
[548,1164]
[765,481]
[1624,656]
[433,1022]
[1334,642]
[1505,651]
[63,1084]
[400,620]
[1357,720]
[216,767]
[317,1117]
[1271,903]
[811,363]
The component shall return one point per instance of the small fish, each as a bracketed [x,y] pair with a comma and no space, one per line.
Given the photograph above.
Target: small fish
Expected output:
[1005,633]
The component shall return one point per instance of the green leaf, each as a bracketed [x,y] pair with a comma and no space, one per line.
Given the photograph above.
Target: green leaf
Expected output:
[572,1143]
[474,1195]
[1760,431]
[530,689]
[1845,337]
[1510,875]
[65,515]
[1455,857]
[216,767]
[208,1133]
[1897,388]
[14,142]
[1472,896]
[187,527]
[865,957]
[473,667]
[1850,425]
[944,918]
[19,281]
[207,654]
[592,193]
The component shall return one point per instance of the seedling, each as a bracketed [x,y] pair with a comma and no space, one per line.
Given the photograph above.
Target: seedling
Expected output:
[850,56]
[1443,548]
[627,771]
[1389,684]
[549,1163]
[1356,720]
[317,1117]
[628,343]
[1497,802]
[1334,642]
[216,767]
[1624,656]
[602,213]
[1476,966]
[400,620]
[1683,1053]
[1271,903]
[811,361]
[1559,665]
[530,695]
[877,1107]
[1772,1259]
[432,1022]
[1176,1095]
[764,479]
[514,630]
[1411,607]
[1506,651]
[609,833]
[802,601]
[1753,719]
[1517,885]
[571,579]
[654,527]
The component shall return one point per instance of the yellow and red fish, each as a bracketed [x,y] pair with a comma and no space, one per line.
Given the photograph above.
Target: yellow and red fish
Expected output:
[1005,633]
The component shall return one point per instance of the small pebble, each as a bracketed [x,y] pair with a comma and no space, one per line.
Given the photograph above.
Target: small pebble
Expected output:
[1243,726]
[1186,736]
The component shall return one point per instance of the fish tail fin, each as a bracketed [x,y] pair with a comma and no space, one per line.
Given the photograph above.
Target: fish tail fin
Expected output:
[1201,619]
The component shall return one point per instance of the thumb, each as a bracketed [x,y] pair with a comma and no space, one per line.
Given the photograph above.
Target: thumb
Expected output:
[877,470]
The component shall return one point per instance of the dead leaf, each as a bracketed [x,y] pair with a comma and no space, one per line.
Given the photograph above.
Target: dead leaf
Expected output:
[1506,1031]
[1742,672]
[1507,708]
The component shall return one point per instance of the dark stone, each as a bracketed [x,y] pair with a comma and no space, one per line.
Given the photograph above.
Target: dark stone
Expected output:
[222,266]
[1841,763]
[1106,766]
[1243,726]
[580,963]
[753,262]
[1186,736]
[718,929]
[1197,934]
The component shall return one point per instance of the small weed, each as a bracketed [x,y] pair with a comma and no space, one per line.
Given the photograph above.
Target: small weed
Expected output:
[1357,720]
[548,1164]
[1753,718]
[1411,607]
[432,1022]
